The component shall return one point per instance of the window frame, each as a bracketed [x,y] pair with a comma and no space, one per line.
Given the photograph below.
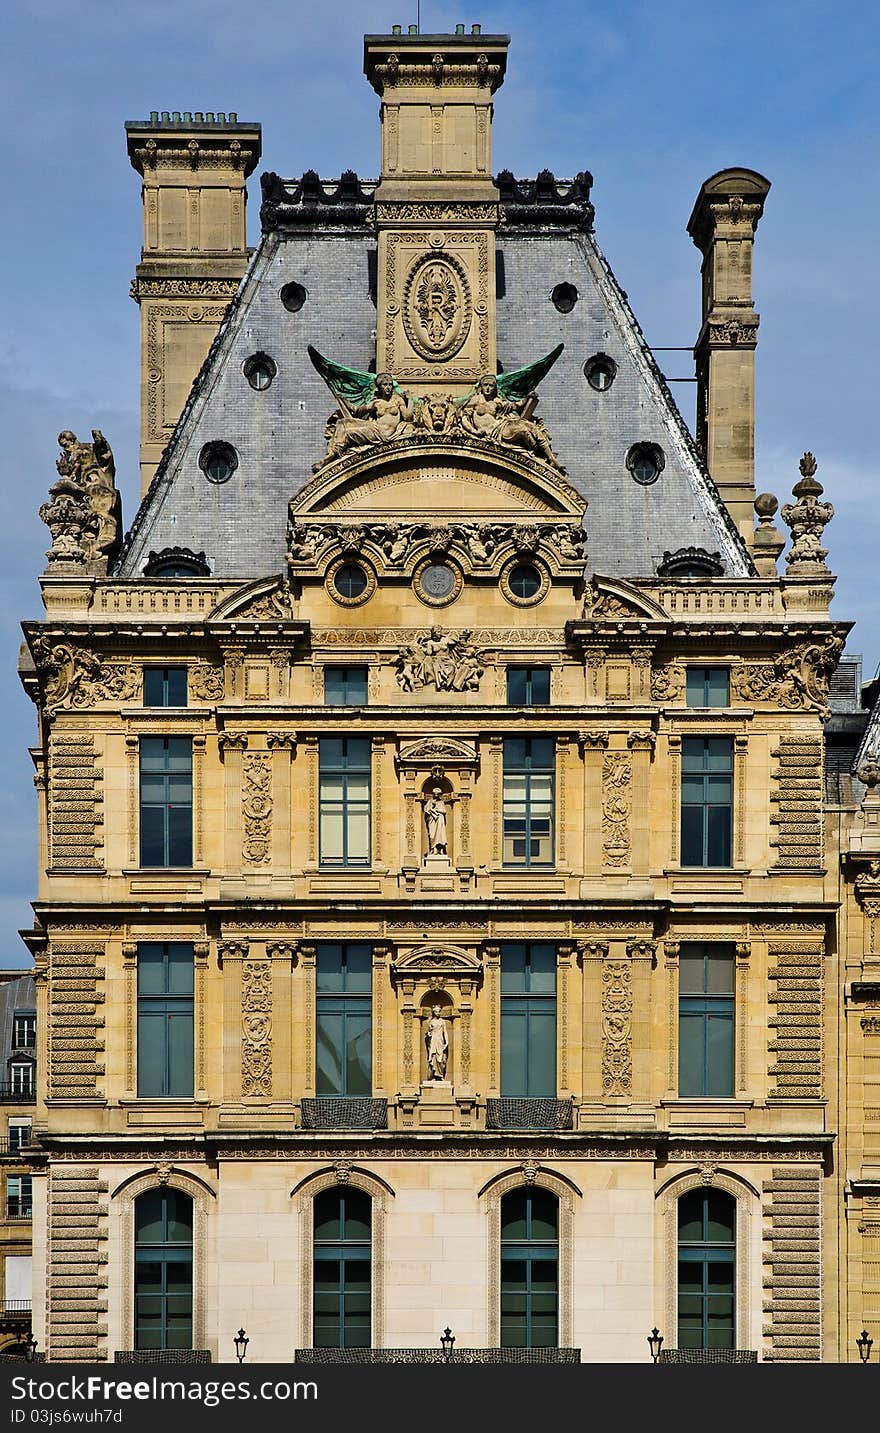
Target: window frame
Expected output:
[703,1253]
[166,1005]
[510,815]
[706,674]
[529,699]
[532,1007]
[26,1086]
[707,1005]
[706,805]
[170,781]
[341,1252]
[531,1252]
[344,805]
[22,1199]
[350,1006]
[29,1016]
[166,685]
[343,673]
[160,1254]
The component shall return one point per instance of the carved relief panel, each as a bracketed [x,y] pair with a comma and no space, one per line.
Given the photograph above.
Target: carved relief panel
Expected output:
[437,288]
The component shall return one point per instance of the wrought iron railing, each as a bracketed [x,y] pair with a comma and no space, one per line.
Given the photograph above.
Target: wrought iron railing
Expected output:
[13,1146]
[524,1114]
[344,1112]
[708,1355]
[436,1355]
[15,1306]
[13,1095]
[18,1208]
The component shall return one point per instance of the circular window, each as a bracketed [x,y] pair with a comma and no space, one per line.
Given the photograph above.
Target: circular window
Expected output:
[564,297]
[524,583]
[259,370]
[646,462]
[218,461]
[437,583]
[600,371]
[350,582]
[293,296]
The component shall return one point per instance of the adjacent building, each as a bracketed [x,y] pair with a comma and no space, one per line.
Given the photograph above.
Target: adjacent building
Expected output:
[18,1093]
[442,921]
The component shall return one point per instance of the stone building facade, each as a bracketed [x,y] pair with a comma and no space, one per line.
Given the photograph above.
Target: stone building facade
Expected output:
[438,912]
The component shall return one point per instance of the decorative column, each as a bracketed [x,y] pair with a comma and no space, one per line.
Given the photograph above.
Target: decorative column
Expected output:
[283,957]
[230,956]
[492,995]
[282,746]
[641,744]
[304,1022]
[593,954]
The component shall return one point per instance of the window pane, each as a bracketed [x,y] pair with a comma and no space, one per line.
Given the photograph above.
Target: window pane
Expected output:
[180,1054]
[152,836]
[513,969]
[359,1079]
[329,1063]
[542,968]
[718,836]
[720,972]
[692,970]
[358,1215]
[180,968]
[718,687]
[719,1054]
[545,1215]
[514,1208]
[151,1052]
[358,969]
[517,686]
[329,974]
[720,1218]
[542,751]
[331,835]
[690,1054]
[358,837]
[542,1053]
[151,969]
[514,1030]
[180,834]
[692,836]
[690,1217]
[328,1215]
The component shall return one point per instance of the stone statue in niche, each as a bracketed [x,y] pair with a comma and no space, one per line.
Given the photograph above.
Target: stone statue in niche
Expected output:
[437,1045]
[84,512]
[435,820]
[507,421]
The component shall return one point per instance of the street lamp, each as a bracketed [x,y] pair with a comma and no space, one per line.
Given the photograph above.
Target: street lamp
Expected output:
[30,1348]
[655,1341]
[863,1344]
[446,1341]
[241,1343]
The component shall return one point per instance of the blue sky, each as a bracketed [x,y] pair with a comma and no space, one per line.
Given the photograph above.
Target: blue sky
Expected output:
[651,98]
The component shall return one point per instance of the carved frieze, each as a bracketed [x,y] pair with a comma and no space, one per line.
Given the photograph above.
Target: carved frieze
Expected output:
[667,683]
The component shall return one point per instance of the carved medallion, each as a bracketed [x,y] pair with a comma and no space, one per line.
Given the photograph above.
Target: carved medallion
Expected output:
[436,306]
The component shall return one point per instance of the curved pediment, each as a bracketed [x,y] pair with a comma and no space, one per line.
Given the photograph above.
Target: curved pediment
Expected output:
[608,599]
[427,960]
[444,750]
[267,600]
[438,478]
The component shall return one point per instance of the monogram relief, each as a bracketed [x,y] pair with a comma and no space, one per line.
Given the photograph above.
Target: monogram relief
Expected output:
[436,306]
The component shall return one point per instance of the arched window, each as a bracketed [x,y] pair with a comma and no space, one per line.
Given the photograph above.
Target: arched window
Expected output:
[706,1269]
[342,1256]
[163,1269]
[529,1269]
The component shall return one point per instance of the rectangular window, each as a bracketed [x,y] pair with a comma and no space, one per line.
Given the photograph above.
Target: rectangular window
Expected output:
[164,686]
[165,1019]
[345,800]
[24,1029]
[528,1020]
[708,687]
[528,801]
[528,686]
[343,1019]
[345,686]
[22,1078]
[19,1196]
[166,800]
[706,800]
[19,1135]
[706,1020]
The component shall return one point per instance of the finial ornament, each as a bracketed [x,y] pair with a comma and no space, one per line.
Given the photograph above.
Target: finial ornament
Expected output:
[807,518]
[768,540]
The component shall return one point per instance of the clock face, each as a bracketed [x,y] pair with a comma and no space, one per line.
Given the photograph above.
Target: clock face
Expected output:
[437,580]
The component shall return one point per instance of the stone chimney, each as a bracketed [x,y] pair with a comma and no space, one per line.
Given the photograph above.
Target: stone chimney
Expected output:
[436,206]
[722,225]
[194,167]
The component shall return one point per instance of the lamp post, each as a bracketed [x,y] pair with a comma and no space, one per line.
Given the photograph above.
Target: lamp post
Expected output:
[241,1343]
[447,1339]
[864,1343]
[655,1342]
[30,1348]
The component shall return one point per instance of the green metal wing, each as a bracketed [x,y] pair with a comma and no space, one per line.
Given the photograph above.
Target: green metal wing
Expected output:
[351,384]
[523,381]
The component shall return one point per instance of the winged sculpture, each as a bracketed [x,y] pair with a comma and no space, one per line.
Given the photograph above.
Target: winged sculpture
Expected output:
[373,408]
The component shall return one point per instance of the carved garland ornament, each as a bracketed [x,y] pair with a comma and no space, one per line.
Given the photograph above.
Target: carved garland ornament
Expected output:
[616,807]
[256,1028]
[256,806]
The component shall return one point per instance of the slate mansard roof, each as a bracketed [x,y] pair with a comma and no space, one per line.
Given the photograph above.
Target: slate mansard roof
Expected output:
[317,235]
